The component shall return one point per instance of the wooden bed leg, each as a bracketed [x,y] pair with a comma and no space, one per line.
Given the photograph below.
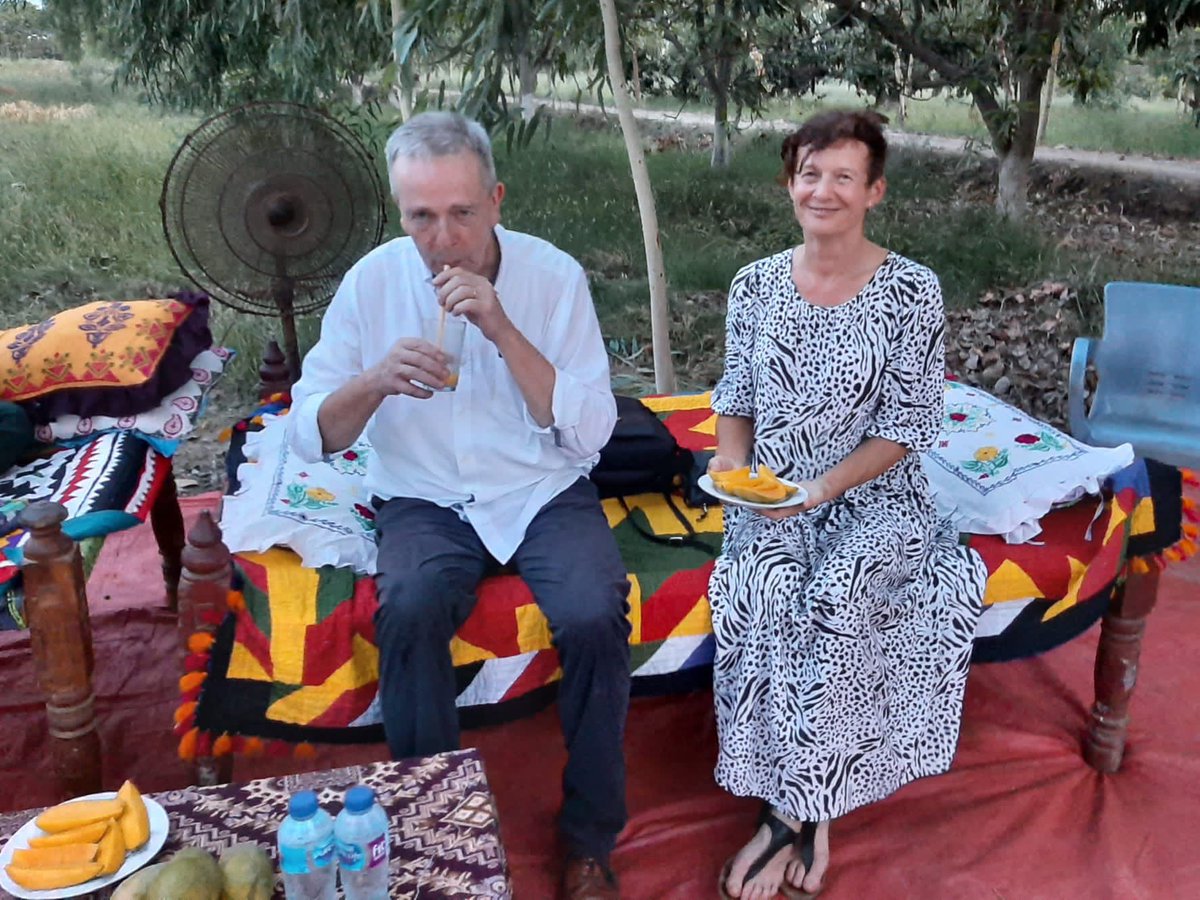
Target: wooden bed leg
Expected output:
[203,596]
[60,632]
[1117,669]
[166,520]
[274,376]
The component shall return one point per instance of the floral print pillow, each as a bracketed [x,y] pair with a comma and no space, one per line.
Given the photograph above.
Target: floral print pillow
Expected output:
[996,470]
[321,511]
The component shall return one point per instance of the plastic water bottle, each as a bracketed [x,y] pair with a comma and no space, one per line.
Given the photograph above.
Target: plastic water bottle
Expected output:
[361,831]
[307,852]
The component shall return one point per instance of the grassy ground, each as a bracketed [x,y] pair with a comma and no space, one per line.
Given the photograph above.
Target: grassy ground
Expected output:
[79,216]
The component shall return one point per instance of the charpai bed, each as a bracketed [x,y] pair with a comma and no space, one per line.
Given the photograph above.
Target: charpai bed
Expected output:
[283,649]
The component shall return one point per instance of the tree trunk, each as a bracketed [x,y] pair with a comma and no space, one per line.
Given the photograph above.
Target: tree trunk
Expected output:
[1048,91]
[664,370]
[402,93]
[720,147]
[1012,186]
[1016,155]
[527,79]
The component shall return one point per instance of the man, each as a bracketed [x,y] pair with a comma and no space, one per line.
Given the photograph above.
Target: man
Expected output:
[492,472]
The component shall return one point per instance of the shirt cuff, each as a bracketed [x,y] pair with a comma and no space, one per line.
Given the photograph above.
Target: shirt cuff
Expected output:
[305,429]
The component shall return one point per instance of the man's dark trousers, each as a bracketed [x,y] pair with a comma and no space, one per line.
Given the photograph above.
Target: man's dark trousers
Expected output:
[430,562]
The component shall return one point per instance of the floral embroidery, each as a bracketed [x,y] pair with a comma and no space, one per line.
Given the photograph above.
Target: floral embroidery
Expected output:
[364,516]
[105,320]
[352,461]
[1043,441]
[25,340]
[987,461]
[300,497]
[964,417]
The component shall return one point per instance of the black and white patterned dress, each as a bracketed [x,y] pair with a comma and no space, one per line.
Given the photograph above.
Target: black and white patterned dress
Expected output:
[844,633]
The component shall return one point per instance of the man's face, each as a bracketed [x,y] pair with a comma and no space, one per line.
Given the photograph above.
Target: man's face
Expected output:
[448,211]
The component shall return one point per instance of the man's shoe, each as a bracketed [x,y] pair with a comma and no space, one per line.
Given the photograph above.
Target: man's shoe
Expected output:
[586,878]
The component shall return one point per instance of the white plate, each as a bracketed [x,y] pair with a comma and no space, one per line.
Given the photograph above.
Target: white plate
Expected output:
[706,484]
[159,826]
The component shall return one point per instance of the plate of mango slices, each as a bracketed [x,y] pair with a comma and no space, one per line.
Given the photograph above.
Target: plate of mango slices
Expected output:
[756,488]
[83,844]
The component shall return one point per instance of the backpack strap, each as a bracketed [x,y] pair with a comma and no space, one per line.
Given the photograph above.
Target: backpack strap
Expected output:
[674,540]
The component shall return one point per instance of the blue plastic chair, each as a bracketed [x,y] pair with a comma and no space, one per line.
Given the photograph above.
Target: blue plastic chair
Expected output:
[1148,370]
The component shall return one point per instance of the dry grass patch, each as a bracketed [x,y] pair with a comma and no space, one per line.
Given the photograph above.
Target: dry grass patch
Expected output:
[26,113]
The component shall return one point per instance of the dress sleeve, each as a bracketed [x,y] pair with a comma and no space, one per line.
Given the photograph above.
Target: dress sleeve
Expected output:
[912,401]
[734,393]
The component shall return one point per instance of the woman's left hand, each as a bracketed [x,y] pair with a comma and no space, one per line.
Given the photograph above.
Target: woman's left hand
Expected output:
[818,493]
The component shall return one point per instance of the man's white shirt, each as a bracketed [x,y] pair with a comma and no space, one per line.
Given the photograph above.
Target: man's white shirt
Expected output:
[475,449]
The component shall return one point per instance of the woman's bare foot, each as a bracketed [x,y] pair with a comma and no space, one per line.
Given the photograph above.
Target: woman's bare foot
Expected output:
[810,881]
[766,883]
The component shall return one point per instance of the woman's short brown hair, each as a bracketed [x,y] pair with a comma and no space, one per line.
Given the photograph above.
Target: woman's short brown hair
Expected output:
[832,127]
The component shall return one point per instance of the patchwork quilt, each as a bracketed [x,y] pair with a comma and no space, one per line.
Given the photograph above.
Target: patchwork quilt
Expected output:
[295,660]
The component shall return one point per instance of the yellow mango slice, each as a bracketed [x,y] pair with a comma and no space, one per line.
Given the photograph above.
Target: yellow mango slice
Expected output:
[55,857]
[112,850]
[88,834]
[135,821]
[66,816]
[49,879]
[763,486]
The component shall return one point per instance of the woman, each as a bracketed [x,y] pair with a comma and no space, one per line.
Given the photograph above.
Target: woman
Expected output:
[843,624]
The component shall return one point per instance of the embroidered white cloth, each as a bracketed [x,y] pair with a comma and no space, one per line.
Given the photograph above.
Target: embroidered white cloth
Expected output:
[996,470]
[320,510]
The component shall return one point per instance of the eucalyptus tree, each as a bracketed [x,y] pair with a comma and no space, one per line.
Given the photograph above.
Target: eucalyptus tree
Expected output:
[999,54]
[211,53]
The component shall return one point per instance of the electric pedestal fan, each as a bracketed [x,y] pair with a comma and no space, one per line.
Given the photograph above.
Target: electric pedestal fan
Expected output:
[267,205]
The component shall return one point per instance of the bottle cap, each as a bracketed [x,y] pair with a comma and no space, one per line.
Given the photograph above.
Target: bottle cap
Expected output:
[359,799]
[303,805]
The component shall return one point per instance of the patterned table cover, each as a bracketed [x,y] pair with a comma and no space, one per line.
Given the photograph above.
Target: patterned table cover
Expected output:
[445,836]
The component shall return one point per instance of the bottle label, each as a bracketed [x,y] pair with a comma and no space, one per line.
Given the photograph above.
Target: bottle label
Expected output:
[357,857]
[298,861]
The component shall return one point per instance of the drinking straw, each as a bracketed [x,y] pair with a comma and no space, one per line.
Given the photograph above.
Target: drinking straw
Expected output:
[441,320]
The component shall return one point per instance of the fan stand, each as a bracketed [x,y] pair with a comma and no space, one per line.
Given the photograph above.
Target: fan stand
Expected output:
[283,216]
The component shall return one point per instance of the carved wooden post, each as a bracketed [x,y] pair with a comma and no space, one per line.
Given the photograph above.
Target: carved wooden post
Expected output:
[60,633]
[274,375]
[166,520]
[203,594]
[1117,668]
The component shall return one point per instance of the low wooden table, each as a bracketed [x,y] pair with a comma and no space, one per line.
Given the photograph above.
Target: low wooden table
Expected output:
[445,836]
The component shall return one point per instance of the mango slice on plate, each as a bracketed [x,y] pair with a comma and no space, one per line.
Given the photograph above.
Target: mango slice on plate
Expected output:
[761,486]
[112,850]
[66,816]
[135,821]
[87,834]
[49,879]
[55,857]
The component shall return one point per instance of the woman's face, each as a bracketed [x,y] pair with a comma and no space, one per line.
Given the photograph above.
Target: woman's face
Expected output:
[829,189]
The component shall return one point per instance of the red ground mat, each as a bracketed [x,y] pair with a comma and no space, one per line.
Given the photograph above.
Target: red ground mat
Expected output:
[1019,816]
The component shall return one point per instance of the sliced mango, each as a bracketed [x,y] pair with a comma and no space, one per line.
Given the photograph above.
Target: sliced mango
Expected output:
[135,821]
[55,857]
[49,879]
[763,486]
[88,834]
[112,850]
[66,816]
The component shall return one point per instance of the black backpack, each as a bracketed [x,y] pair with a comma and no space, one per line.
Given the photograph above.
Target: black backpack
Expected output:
[642,456]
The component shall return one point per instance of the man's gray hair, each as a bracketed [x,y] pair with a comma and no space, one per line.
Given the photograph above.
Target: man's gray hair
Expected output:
[431,134]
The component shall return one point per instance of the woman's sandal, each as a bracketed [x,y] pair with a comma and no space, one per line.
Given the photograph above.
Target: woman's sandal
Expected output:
[782,835]
[806,844]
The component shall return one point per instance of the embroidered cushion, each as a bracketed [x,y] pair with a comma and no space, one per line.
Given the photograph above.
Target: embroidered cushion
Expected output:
[171,420]
[109,358]
[995,470]
[321,510]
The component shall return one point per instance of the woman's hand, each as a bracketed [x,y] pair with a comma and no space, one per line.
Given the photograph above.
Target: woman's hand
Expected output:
[818,493]
[723,464]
